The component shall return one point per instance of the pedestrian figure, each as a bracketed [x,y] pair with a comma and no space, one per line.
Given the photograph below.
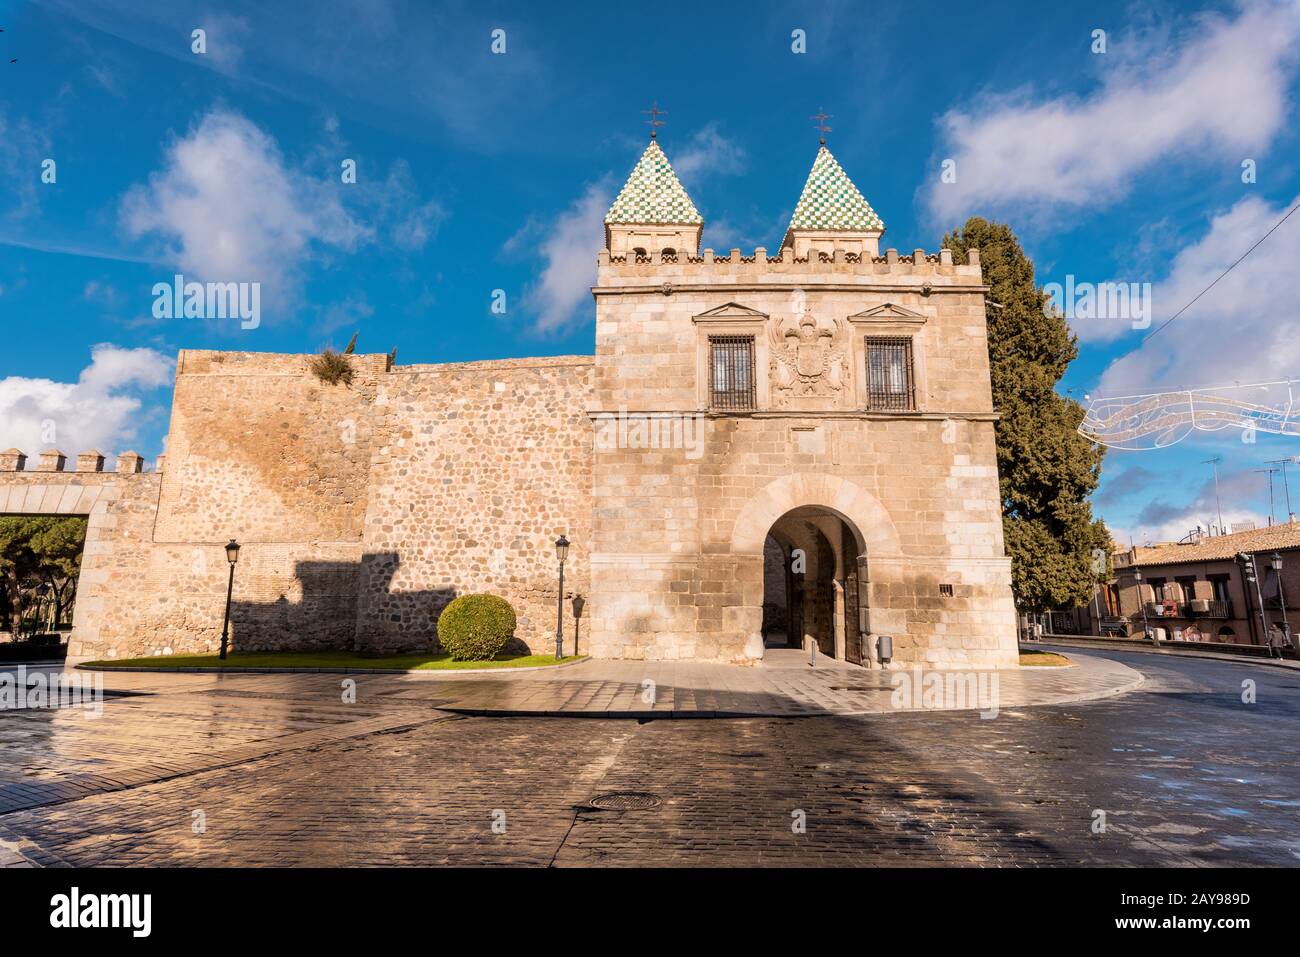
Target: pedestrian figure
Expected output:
[1276,641]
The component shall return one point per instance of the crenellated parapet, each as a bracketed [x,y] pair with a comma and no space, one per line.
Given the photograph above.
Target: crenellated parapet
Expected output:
[915,268]
[89,462]
[51,460]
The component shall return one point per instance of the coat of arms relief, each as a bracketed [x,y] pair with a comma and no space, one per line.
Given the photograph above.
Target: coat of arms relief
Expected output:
[810,360]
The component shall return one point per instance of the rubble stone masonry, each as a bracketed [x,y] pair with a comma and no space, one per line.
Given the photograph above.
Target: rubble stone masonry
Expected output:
[362,509]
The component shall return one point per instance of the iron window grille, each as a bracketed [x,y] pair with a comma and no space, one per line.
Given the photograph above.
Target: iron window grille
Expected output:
[731,373]
[890,385]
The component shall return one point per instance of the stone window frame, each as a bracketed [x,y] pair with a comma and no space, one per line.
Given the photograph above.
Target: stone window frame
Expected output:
[889,319]
[892,347]
[731,319]
[725,352]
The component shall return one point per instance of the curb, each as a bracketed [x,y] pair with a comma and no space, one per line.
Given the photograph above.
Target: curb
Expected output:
[643,715]
[1174,652]
[628,715]
[1069,699]
[426,673]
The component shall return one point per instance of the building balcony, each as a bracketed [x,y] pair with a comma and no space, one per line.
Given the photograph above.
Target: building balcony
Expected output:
[1205,608]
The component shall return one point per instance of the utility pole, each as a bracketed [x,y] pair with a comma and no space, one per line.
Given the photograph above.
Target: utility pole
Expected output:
[1290,515]
[1270,493]
[1219,505]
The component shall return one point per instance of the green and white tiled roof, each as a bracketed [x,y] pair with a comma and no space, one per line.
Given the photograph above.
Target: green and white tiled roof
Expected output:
[653,194]
[831,201]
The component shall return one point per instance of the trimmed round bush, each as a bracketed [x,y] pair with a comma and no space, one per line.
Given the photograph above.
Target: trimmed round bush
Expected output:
[476,627]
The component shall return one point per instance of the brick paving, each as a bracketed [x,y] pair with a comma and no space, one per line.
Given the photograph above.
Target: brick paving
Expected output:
[784,686]
[1184,771]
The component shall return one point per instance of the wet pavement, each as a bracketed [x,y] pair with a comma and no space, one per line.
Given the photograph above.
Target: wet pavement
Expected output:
[784,684]
[282,770]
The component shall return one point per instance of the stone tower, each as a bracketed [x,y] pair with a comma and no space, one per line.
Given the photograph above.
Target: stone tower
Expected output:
[791,448]
[653,212]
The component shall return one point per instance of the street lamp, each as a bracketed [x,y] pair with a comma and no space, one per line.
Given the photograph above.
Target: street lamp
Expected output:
[561,552]
[232,556]
[1146,624]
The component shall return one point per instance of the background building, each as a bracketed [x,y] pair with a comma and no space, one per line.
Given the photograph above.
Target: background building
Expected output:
[1197,590]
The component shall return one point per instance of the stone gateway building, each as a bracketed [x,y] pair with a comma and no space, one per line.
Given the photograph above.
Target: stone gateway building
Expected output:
[764,450]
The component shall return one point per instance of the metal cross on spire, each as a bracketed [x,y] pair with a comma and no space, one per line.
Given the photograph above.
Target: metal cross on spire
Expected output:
[821,116]
[654,113]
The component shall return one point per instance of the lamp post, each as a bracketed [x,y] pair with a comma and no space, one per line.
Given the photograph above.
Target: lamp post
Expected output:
[561,552]
[1281,595]
[232,556]
[1146,624]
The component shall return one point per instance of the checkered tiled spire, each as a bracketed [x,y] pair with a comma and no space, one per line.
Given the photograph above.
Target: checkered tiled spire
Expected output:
[831,201]
[653,194]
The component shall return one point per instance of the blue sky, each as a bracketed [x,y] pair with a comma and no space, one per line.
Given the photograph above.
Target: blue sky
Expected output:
[479,171]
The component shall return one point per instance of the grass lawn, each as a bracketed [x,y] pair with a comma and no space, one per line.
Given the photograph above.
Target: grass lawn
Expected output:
[328,659]
[1045,658]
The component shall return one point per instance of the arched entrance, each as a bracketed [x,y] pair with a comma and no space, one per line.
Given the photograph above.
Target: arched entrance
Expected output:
[812,583]
[829,495]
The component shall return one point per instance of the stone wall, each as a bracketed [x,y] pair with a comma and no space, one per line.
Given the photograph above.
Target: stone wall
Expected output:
[119,507]
[677,567]
[483,466]
[364,508]
[361,509]
[262,451]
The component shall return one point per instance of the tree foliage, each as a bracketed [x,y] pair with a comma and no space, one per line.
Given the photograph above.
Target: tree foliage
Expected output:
[1047,469]
[476,627]
[39,550]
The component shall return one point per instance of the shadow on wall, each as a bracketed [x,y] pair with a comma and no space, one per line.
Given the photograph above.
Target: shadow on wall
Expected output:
[345,606]
[351,606]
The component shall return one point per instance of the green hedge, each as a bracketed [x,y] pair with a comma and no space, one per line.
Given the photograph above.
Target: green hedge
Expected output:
[476,627]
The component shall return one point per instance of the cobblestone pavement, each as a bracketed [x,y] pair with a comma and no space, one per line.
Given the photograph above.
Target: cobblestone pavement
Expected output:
[281,773]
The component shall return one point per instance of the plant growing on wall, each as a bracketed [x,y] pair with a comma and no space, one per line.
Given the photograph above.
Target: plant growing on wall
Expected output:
[1047,470]
[332,367]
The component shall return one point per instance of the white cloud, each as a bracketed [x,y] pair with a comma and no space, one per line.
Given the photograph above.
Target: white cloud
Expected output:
[349,56]
[707,153]
[568,246]
[1243,330]
[1194,500]
[1223,93]
[102,294]
[1173,529]
[396,207]
[225,37]
[24,146]
[231,210]
[349,314]
[570,243]
[101,410]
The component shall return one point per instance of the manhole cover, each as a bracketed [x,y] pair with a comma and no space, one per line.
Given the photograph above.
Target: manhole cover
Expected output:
[626,801]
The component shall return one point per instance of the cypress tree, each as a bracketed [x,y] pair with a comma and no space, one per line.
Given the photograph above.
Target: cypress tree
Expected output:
[1046,469]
